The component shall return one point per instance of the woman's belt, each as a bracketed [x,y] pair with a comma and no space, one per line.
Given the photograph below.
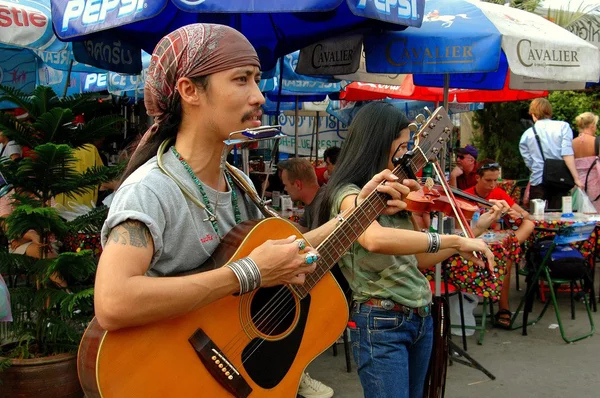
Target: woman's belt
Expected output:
[390,305]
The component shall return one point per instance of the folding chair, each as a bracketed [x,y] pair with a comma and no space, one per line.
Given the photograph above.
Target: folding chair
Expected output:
[553,252]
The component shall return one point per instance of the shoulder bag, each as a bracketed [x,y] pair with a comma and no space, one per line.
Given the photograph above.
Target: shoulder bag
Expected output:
[557,175]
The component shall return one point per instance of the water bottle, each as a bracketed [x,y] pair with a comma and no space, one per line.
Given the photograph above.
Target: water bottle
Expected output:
[474,219]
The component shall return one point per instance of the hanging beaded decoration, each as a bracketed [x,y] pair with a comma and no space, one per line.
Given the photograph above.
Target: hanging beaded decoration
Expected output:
[234,198]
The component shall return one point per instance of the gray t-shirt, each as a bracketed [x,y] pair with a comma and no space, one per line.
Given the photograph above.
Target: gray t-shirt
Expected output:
[183,237]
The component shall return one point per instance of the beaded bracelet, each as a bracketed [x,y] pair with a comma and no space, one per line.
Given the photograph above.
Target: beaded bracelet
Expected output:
[248,274]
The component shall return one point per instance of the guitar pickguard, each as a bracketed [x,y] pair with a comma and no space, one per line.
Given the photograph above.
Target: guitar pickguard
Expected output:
[267,362]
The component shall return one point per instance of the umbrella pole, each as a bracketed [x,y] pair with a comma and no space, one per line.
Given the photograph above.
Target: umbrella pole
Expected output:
[296,129]
[446,90]
[68,82]
[317,139]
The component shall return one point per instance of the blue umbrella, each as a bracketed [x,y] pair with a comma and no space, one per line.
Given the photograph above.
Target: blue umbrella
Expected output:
[275,28]
[459,36]
[289,89]
[17,70]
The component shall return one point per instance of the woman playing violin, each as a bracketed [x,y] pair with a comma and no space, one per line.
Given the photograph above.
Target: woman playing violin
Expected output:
[390,322]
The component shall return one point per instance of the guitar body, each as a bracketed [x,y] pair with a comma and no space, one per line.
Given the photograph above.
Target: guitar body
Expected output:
[269,336]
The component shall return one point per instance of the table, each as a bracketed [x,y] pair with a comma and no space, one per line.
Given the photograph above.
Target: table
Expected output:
[556,220]
[470,278]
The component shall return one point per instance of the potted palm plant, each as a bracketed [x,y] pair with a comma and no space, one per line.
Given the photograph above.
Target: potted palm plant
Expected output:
[51,291]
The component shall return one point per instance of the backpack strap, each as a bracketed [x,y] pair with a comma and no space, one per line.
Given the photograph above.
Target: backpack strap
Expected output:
[587,175]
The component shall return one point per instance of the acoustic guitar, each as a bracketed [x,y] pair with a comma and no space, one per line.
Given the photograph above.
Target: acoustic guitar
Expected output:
[252,345]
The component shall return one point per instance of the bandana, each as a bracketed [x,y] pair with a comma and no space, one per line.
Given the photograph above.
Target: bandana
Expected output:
[191,51]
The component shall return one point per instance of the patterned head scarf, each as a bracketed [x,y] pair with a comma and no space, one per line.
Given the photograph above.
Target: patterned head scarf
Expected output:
[191,51]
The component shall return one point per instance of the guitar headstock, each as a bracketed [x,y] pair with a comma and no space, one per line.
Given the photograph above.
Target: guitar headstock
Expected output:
[433,132]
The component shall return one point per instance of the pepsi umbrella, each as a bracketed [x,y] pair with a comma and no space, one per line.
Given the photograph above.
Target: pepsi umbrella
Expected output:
[275,28]
[469,36]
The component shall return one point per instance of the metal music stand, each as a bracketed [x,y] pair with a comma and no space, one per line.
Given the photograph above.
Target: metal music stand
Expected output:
[455,353]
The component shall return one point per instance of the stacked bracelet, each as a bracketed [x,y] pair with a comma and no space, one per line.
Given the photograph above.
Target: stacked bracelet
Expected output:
[434,242]
[248,274]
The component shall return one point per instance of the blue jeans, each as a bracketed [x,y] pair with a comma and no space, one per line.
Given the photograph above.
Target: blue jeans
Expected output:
[392,351]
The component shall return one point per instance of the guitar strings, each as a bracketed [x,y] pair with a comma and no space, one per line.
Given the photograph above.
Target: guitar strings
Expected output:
[277,301]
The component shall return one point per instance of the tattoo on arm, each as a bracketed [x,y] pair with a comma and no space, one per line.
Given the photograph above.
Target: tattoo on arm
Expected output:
[133,233]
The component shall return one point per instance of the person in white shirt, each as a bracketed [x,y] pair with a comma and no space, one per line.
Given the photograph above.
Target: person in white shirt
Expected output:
[556,140]
[8,148]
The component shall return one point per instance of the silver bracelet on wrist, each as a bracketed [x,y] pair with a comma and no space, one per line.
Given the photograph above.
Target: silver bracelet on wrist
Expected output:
[434,242]
[248,274]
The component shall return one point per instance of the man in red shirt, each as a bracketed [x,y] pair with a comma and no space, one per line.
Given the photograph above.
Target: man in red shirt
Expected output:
[486,187]
[464,175]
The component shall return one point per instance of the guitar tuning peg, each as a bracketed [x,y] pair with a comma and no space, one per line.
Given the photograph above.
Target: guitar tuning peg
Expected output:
[413,127]
[428,111]
[420,118]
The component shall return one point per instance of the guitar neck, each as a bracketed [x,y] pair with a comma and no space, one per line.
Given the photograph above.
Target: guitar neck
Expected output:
[347,232]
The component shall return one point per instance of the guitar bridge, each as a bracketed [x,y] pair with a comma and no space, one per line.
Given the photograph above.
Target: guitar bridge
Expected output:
[218,365]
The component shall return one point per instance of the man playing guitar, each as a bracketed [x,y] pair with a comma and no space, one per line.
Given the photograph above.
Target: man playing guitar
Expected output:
[202,84]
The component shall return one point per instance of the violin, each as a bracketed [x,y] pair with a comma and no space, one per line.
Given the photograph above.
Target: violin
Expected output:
[432,198]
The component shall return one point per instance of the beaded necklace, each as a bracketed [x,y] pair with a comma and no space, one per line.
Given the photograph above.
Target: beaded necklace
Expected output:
[212,214]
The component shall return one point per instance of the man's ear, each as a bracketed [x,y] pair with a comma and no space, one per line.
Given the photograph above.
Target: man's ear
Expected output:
[477,177]
[188,91]
[298,184]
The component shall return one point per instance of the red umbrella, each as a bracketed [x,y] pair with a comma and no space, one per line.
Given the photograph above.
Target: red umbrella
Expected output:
[358,91]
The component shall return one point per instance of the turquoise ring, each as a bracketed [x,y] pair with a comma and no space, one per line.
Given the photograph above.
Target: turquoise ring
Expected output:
[301,244]
[311,258]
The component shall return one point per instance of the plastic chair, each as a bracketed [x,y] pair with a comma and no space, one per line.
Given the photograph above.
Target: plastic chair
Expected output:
[564,236]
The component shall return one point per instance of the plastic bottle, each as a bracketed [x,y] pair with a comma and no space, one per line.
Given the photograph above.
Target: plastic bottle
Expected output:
[474,219]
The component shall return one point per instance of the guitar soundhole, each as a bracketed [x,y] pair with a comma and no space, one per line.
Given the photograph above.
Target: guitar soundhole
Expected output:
[273,310]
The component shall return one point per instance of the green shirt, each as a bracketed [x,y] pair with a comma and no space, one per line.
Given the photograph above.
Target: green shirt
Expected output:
[381,275]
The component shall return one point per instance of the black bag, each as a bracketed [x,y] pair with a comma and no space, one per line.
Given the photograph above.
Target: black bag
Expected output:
[557,175]
[565,261]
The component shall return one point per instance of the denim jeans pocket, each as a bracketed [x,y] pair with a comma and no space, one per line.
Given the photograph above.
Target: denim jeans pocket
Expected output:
[380,323]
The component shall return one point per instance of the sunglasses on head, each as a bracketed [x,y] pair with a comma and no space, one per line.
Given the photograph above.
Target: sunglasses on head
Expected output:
[489,166]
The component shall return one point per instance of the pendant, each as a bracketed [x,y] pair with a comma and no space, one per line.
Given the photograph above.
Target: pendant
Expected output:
[211,218]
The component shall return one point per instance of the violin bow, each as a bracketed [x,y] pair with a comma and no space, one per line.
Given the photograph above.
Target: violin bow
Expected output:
[462,220]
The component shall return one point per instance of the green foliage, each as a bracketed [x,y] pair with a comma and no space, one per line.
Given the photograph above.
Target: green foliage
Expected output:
[89,223]
[567,105]
[569,14]
[48,318]
[527,5]
[501,128]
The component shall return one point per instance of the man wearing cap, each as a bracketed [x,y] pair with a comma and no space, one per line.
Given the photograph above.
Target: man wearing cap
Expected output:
[464,175]
[171,211]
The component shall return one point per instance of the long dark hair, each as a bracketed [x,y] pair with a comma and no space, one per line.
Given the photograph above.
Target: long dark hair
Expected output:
[167,129]
[365,152]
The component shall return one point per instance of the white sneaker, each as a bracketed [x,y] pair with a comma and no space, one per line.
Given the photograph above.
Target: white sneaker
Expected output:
[311,388]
